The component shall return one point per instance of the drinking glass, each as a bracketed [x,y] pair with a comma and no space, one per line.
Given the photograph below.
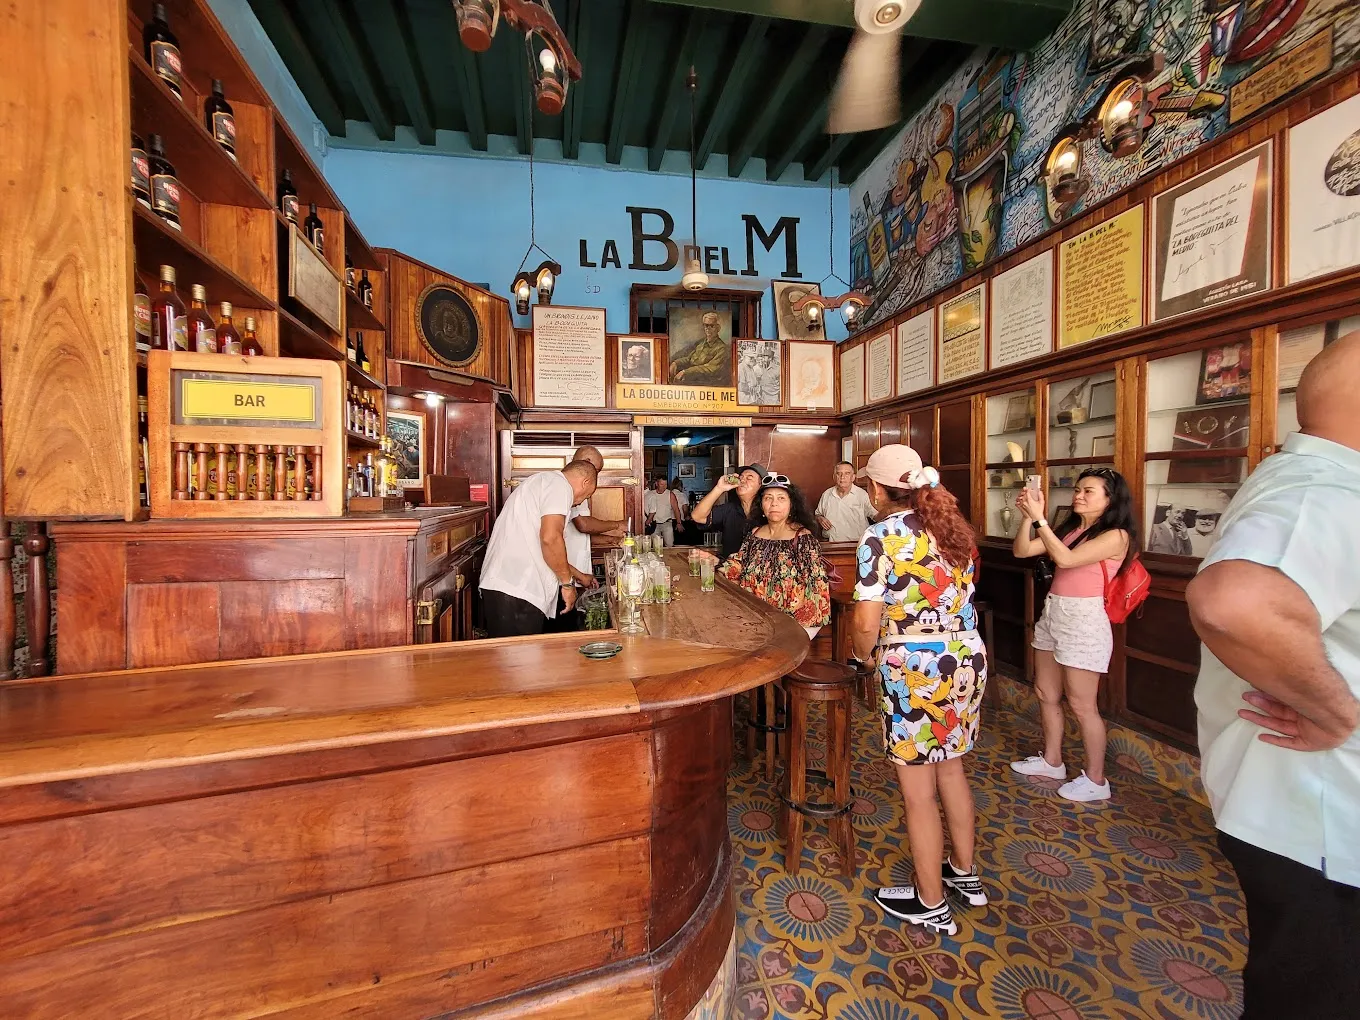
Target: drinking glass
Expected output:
[706,567]
[694,562]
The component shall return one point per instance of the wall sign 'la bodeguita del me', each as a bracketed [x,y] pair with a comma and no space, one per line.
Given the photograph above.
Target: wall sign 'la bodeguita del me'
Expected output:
[716,259]
[649,397]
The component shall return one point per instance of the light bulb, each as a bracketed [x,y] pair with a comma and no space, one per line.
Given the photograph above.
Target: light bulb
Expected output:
[432,399]
[814,313]
[850,312]
[1066,161]
[1121,111]
[548,61]
[545,280]
[522,291]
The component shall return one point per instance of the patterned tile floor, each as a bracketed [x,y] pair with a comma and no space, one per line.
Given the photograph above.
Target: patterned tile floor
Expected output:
[1120,911]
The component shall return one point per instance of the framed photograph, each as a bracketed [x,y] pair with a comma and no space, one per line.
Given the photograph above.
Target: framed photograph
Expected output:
[700,347]
[710,474]
[1018,417]
[792,325]
[1184,521]
[760,379]
[1322,206]
[636,359]
[1101,405]
[685,470]
[406,429]
[1102,446]
[1225,373]
[812,376]
[1058,514]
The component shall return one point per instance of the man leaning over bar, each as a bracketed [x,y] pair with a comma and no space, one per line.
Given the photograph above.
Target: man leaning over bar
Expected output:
[526,577]
[581,524]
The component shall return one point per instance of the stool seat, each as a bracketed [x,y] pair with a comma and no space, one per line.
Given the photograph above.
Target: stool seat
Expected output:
[832,683]
[821,673]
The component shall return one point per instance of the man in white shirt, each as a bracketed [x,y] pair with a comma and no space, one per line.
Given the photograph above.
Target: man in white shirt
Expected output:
[581,524]
[1277,605]
[662,509]
[526,577]
[844,510]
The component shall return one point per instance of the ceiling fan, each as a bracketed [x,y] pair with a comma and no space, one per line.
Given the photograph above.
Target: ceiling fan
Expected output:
[866,96]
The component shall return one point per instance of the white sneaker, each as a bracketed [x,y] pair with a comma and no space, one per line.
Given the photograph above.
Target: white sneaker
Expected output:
[1083,791]
[1036,765]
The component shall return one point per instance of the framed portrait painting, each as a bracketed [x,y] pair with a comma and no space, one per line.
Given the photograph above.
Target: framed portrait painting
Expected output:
[812,375]
[636,359]
[790,324]
[406,429]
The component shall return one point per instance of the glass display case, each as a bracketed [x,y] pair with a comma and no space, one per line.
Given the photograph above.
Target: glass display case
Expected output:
[1012,441]
[1195,453]
[1297,347]
[1081,435]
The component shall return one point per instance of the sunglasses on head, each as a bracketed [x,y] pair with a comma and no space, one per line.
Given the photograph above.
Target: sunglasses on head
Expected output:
[775,479]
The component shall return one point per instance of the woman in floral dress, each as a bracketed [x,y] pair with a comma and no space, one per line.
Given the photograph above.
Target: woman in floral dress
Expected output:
[780,560]
[915,620]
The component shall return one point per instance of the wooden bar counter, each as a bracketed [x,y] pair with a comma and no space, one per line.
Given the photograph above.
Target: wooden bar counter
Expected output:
[490,828]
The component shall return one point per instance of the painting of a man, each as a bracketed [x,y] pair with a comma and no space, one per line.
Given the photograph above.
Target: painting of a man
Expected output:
[811,374]
[705,363]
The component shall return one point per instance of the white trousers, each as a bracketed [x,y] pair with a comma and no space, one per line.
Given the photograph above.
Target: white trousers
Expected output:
[666,529]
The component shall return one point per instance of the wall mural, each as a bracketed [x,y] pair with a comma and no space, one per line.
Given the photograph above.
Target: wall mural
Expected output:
[962,182]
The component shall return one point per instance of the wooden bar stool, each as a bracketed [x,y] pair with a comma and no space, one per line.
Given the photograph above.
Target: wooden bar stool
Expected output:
[833,684]
[767,713]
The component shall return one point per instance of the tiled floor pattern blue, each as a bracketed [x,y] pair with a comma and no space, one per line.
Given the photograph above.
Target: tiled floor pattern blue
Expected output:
[1119,911]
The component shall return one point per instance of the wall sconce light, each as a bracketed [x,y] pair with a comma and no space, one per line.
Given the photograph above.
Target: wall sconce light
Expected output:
[433,400]
[1065,170]
[523,292]
[813,308]
[852,306]
[545,278]
[477,22]
[1123,115]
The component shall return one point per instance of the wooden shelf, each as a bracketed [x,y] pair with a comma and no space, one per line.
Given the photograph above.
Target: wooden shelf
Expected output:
[358,250]
[290,155]
[359,316]
[361,378]
[158,244]
[298,340]
[202,164]
[209,52]
[359,439]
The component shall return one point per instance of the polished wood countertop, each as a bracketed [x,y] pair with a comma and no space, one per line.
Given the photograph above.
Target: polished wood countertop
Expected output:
[392,522]
[699,648]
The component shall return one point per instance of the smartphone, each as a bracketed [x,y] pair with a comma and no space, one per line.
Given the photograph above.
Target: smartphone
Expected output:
[1033,483]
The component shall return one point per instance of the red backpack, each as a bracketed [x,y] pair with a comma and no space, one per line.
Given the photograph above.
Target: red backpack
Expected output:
[1127,590]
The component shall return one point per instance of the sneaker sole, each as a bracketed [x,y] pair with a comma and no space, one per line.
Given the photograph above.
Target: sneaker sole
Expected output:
[1061,777]
[952,928]
[972,899]
[1086,800]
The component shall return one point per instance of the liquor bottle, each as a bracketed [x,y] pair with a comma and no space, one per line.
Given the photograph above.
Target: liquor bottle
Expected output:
[228,340]
[162,50]
[372,416]
[217,117]
[351,409]
[143,490]
[313,231]
[141,313]
[360,357]
[366,291]
[202,331]
[169,327]
[164,183]
[349,350]
[288,200]
[141,171]
[349,272]
[368,415]
[250,346]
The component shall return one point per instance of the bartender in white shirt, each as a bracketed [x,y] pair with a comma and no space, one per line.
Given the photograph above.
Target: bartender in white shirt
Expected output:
[581,525]
[844,510]
[662,508]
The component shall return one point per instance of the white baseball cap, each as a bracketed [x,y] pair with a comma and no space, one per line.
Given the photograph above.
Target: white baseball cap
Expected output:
[900,467]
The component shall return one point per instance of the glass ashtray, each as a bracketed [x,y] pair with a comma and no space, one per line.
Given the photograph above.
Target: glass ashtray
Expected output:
[600,649]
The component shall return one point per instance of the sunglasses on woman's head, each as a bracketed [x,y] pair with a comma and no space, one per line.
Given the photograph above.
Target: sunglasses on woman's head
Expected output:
[773,479]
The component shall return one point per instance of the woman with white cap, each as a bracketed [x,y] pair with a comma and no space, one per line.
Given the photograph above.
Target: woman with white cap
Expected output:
[916,622]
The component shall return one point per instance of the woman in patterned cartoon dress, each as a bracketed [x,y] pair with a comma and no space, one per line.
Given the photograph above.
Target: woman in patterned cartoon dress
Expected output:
[915,620]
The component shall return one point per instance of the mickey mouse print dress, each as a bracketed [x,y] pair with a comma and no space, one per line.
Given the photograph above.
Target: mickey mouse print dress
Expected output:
[931,662]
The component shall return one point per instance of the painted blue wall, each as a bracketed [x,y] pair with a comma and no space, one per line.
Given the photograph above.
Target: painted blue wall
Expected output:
[470,216]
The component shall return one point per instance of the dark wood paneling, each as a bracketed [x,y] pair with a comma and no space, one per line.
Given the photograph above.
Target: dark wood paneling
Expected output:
[956,433]
[807,460]
[261,560]
[378,609]
[469,437]
[959,481]
[921,433]
[91,609]
[1162,627]
[261,618]
[1161,694]
[171,624]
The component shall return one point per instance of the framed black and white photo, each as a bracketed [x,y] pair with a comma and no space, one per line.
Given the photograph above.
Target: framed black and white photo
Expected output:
[1183,521]
[759,373]
[685,470]
[406,429]
[637,362]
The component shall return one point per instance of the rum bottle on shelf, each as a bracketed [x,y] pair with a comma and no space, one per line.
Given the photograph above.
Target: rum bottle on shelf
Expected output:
[202,331]
[169,325]
[141,171]
[164,183]
[250,346]
[313,230]
[360,358]
[366,291]
[141,313]
[228,340]
[350,353]
[288,200]
[217,117]
[143,490]
[162,50]
[349,272]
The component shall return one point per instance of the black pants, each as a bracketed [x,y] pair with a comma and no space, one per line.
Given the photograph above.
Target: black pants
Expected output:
[507,616]
[1304,958]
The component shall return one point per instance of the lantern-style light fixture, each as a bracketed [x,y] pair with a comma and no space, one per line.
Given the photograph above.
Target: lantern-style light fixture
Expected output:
[813,307]
[543,278]
[477,20]
[549,74]
[1064,174]
[1123,114]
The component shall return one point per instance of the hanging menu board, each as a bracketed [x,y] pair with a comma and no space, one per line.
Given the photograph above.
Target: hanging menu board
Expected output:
[852,378]
[1100,288]
[916,353]
[963,334]
[568,356]
[880,382]
[1022,311]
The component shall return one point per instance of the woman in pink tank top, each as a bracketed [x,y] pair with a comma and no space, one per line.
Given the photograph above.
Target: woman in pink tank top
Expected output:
[1073,640]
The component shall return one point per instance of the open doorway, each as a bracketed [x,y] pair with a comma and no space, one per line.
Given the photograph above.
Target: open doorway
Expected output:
[690,460]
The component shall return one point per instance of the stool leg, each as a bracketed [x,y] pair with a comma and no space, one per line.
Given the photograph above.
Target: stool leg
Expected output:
[840,722]
[750,720]
[797,782]
[771,737]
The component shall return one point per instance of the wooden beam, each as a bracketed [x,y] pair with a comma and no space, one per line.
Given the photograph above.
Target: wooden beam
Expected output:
[333,19]
[521,93]
[578,34]
[469,81]
[676,95]
[828,158]
[812,126]
[814,37]
[395,30]
[638,19]
[729,95]
[297,56]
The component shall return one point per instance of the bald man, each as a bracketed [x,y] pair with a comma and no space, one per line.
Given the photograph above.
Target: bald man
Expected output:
[1277,605]
[581,524]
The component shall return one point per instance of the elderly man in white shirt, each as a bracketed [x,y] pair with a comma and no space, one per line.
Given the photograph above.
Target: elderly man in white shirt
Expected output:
[581,524]
[844,510]
[662,508]
[1277,605]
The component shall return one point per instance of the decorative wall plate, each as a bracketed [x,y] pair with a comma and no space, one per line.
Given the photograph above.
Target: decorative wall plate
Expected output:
[448,325]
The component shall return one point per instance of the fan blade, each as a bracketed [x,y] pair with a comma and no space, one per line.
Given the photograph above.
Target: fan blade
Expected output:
[866,94]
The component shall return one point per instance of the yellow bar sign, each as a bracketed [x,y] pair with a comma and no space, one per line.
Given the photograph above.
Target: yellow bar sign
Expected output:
[247,400]
[679,399]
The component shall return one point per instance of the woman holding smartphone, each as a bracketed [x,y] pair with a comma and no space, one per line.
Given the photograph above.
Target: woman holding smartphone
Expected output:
[1073,640]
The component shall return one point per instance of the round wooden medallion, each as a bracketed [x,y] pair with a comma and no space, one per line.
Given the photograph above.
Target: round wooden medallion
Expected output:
[448,325]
